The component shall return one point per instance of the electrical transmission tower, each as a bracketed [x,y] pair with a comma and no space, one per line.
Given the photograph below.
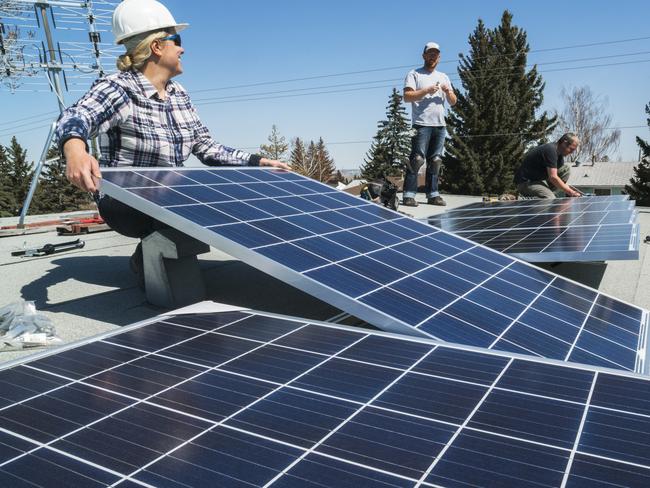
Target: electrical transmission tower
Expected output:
[32,60]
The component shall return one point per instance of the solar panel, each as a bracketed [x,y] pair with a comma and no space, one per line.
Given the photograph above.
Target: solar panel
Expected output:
[533,202]
[562,230]
[241,398]
[387,269]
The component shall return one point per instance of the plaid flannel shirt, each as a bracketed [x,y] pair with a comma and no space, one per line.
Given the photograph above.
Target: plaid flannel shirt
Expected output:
[136,128]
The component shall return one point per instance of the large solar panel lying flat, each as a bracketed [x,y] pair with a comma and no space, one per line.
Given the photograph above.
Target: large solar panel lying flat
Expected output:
[238,399]
[387,269]
[566,229]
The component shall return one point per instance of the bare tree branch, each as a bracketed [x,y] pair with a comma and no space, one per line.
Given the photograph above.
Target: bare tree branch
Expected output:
[585,114]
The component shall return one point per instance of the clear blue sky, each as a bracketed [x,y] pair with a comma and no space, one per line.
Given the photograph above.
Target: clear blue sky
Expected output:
[230,44]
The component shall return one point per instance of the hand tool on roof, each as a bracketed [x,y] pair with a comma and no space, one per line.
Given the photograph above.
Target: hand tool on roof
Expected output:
[50,248]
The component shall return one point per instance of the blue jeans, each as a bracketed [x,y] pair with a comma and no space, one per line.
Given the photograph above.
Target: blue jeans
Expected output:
[426,144]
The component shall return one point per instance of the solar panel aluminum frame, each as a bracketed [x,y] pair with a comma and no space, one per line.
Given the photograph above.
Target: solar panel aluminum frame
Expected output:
[304,283]
[208,306]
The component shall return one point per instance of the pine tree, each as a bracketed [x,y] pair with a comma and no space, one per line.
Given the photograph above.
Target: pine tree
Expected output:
[339,178]
[391,146]
[55,193]
[19,173]
[639,187]
[299,159]
[325,167]
[7,198]
[277,146]
[495,118]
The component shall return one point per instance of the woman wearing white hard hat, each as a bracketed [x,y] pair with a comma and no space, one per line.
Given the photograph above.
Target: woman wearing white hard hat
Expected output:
[141,116]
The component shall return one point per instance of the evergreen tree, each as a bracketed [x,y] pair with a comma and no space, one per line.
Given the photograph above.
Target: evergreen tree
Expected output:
[299,159]
[325,167]
[339,178]
[7,198]
[19,173]
[391,146]
[55,193]
[639,187]
[495,118]
[277,146]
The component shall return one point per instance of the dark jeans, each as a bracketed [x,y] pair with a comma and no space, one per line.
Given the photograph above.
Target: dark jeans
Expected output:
[426,145]
[126,220]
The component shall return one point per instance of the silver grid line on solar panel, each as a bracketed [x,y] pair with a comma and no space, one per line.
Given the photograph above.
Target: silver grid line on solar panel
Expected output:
[328,293]
[475,429]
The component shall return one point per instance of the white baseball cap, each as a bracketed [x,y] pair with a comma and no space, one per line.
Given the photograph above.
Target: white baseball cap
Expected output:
[431,45]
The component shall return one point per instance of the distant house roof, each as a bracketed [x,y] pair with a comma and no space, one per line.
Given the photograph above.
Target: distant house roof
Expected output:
[602,174]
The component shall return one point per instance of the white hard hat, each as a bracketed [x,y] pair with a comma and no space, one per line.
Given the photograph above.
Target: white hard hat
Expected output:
[133,17]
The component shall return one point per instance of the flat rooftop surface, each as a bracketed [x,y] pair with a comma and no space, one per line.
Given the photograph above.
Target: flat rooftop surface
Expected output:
[91,290]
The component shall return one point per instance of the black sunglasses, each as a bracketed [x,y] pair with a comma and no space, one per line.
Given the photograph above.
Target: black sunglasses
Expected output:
[173,37]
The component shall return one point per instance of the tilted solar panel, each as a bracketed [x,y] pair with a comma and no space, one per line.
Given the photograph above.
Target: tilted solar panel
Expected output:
[565,230]
[387,269]
[238,398]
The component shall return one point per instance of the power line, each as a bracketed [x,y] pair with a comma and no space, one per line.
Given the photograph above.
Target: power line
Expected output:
[343,143]
[222,100]
[617,41]
[393,80]
[348,73]
[50,114]
[260,96]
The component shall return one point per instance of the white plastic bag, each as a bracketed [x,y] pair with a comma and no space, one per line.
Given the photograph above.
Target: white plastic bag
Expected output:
[22,326]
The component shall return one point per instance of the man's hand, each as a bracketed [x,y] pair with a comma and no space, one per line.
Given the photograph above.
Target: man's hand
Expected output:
[434,88]
[274,163]
[82,170]
[446,89]
[574,193]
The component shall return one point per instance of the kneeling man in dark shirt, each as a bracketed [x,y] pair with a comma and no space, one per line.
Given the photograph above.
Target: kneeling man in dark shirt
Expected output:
[543,170]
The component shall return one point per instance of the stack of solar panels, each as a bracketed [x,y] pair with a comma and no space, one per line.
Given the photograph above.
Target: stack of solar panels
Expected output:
[518,377]
[237,398]
[596,228]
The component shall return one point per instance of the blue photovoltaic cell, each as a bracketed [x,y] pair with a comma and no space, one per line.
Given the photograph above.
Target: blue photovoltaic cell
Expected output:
[392,271]
[314,404]
[584,229]
[479,459]
[11,447]
[305,418]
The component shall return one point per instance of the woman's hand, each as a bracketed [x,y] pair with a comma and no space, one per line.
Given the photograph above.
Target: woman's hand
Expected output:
[274,163]
[81,169]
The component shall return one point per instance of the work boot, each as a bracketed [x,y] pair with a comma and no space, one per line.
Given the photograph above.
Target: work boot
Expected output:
[436,201]
[409,202]
[136,264]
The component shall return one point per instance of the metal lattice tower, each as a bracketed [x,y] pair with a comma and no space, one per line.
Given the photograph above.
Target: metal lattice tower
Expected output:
[31,59]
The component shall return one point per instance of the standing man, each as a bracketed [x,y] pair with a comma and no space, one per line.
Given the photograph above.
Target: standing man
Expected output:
[543,170]
[427,90]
